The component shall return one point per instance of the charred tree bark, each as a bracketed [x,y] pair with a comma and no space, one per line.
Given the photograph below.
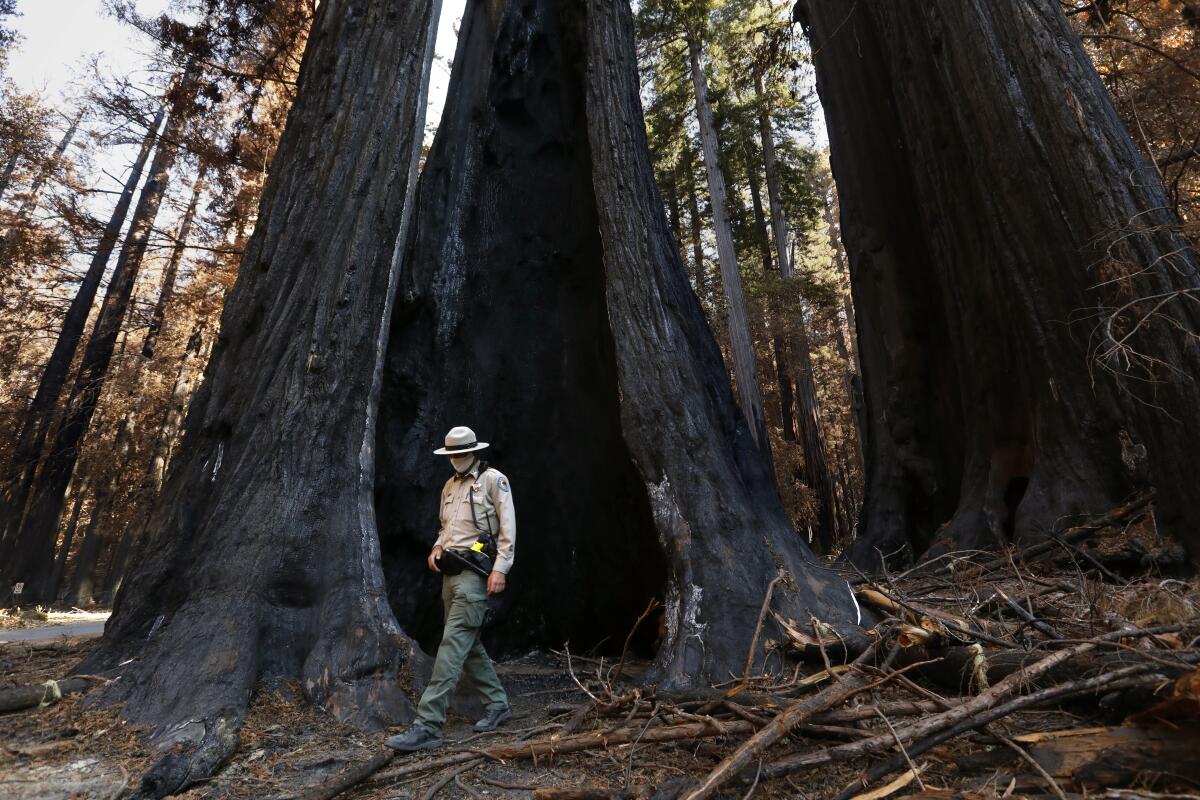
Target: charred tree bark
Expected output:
[266,558]
[544,302]
[32,548]
[60,561]
[741,344]
[36,425]
[1027,312]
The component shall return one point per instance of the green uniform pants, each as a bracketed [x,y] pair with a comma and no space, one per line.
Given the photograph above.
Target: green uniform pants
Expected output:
[464,598]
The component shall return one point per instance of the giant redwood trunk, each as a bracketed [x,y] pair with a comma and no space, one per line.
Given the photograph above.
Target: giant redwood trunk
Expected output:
[266,558]
[544,303]
[1027,312]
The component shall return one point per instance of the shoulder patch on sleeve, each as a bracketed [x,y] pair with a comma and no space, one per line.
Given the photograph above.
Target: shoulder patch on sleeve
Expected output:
[502,482]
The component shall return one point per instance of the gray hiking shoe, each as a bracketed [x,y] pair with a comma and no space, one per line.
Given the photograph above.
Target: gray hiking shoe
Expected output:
[417,737]
[494,718]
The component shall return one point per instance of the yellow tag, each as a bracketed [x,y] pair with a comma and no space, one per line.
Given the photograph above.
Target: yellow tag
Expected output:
[477,547]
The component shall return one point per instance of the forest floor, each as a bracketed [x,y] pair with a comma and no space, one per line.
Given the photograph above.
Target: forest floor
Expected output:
[1086,664]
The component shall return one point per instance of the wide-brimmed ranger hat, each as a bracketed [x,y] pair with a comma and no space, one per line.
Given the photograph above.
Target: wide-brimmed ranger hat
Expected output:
[458,441]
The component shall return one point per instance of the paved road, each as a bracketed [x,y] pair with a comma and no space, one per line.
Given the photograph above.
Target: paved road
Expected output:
[52,632]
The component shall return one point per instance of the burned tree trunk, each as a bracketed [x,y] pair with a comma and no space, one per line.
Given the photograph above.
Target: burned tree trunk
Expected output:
[167,289]
[60,561]
[266,559]
[133,538]
[716,511]
[544,302]
[1027,313]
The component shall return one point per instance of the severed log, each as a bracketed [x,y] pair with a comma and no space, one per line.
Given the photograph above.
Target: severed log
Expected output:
[969,669]
[1160,756]
[43,694]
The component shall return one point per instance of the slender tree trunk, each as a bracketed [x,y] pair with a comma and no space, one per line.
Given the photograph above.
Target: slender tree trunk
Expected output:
[265,542]
[29,206]
[172,268]
[80,591]
[60,562]
[674,207]
[696,224]
[779,347]
[808,413]
[23,462]
[33,545]
[9,168]
[741,344]
[133,537]
[1025,299]
[843,337]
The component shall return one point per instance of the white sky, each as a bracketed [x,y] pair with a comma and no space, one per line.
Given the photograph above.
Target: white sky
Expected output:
[59,35]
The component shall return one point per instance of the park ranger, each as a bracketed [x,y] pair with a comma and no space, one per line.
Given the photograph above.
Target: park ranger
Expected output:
[477,538]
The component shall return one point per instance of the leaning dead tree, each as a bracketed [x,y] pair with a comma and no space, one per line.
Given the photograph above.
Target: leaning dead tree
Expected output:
[544,302]
[265,559]
[1028,311]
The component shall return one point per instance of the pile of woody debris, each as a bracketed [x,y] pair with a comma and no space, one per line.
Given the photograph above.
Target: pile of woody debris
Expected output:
[1043,671]
[1065,669]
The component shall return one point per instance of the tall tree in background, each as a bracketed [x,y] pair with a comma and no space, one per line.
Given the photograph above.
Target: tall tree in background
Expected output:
[23,459]
[1027,306]
[764,55]
[751,70]
[33,543]
[691,20]
[266,544]
[243,59]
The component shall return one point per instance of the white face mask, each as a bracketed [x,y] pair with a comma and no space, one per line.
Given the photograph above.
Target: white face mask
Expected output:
[462,463]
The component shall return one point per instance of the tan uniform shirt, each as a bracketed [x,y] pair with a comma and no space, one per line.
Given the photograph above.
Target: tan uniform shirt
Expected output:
[494,512]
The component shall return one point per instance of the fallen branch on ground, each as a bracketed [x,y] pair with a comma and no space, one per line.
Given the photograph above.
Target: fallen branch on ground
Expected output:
[44,694]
